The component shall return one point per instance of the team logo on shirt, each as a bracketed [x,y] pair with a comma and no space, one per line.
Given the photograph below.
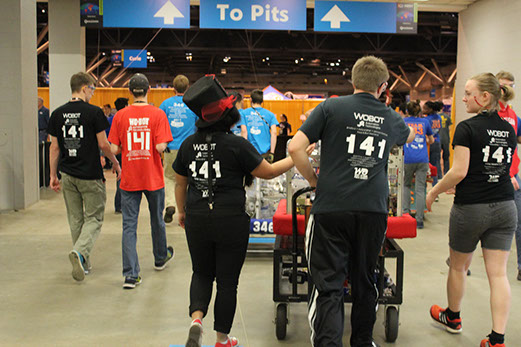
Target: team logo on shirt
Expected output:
[177,123]
[498,133]
[73,152]
[493,178]
[361,173]
[255,131]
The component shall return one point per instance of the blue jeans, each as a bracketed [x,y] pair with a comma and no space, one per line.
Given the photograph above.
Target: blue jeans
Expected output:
[517,199]
[130,202]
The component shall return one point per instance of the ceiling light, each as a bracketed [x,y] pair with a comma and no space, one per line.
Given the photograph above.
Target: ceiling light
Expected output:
[296,61]
[148,53]
[332,64]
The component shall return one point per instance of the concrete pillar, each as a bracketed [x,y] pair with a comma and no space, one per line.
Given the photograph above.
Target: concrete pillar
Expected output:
[18,97]
[66,49]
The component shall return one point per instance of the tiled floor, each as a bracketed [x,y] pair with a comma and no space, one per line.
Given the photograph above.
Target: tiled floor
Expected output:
[42,305]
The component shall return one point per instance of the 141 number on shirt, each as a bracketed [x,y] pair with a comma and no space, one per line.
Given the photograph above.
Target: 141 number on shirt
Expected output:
[203,169]
[138,137]
[498,154]
[367,146]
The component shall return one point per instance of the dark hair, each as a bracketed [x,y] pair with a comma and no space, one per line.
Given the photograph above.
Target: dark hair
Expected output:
[402,107]
[107,105]
[434,105]
[121,103]
[413,109]
[80,80]
[257,96]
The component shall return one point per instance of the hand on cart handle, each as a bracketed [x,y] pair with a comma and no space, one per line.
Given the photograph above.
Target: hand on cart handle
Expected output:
[181,216]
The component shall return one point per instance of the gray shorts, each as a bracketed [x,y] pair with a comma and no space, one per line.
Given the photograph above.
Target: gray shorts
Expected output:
[494,224]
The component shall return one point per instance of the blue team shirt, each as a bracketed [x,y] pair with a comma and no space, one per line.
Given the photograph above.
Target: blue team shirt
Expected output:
[258,128]
[435,121]
[181,120]
[236,129]
[416,151]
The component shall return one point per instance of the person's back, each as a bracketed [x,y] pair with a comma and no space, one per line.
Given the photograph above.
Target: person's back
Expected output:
[139,129]
[491,141]
[416,151]
[357,132]
[261,125]
[75,125]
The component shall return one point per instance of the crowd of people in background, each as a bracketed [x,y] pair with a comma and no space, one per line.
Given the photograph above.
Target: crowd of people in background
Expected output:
[193,156]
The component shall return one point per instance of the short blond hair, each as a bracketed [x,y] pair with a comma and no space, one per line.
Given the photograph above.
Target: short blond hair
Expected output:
[505,75]
[181,83]
[369,73]
[80,80]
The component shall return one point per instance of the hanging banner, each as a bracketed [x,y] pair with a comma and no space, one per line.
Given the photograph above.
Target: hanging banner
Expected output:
[91,15]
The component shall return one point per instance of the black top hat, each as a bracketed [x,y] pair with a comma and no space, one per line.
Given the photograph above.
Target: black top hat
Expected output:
[209,101]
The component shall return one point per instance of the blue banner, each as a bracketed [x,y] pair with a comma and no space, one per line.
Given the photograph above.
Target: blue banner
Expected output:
[254,14]
[146,14]
[348,16]
[134,58]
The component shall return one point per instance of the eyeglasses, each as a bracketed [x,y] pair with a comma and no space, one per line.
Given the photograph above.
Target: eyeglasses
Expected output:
[92,88]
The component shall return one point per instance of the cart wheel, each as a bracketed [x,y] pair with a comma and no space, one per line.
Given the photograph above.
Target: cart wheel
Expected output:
[281,321]
[391,324]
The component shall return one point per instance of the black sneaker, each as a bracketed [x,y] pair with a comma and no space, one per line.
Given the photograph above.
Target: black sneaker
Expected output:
[78,271]
[131,282]
[170,210]
[160,265]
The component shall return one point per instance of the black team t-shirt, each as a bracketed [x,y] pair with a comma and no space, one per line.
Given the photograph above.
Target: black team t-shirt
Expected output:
[357,133]
[75,125]
[233,158]
[492,142]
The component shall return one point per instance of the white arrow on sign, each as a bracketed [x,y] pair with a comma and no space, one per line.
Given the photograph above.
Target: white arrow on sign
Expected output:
[169,12]
[335,16]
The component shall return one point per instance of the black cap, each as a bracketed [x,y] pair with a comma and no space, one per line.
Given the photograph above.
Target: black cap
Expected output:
[209,101]
[138,83]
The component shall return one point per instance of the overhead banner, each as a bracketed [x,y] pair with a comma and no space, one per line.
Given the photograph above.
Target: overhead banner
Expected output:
[146,14]
[91,15]
[365,17]
[254,14]
[134,58]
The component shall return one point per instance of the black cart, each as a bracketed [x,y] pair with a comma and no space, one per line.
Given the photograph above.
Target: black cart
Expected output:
[291,283]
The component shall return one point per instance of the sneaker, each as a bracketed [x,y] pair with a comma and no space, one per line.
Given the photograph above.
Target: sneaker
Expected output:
[374,344]
[78,271]
[439,315]
[170,210]
[131,282]
[87,266]
[486,343]
[195,334]
[419,225]
[519,275]
[160,265]
[232,341]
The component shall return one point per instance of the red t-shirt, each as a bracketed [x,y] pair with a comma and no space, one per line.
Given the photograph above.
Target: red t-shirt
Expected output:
[138,129]
[507,113]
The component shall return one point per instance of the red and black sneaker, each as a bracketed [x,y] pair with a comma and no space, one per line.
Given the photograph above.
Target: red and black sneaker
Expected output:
[486,343]
[440,316]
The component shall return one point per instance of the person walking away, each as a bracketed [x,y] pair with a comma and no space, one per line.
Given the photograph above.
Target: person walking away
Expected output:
[431,109]
[348,219]
[77,131]
[140,132]
[484,209]
[212,168]
[416,159]
[262,126]
[182,124]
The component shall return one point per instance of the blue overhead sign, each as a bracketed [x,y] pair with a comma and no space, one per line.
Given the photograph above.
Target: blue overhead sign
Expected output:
[366,17]
[146,14]
[134,58]
[253,14]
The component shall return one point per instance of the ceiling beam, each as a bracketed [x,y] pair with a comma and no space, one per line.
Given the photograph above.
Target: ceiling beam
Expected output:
[421,66]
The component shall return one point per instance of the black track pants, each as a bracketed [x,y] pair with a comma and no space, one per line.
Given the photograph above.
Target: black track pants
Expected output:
[338,244]
[217,247]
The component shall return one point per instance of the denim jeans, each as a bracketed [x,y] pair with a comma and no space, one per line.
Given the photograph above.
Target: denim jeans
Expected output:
[130,202]
[517,199]
[419,171]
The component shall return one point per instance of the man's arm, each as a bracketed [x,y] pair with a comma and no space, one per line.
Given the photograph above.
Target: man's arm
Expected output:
[161,147]
[297,151]
[54,157]
[273,138]
[105,147]
[430,139]
[412,135]
[244,131]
